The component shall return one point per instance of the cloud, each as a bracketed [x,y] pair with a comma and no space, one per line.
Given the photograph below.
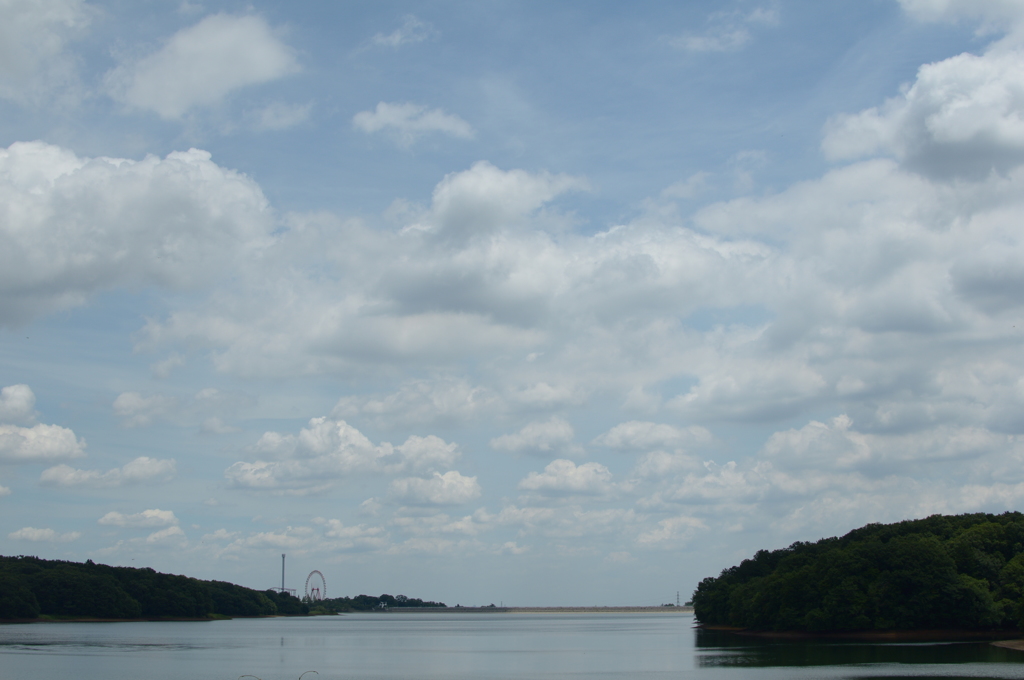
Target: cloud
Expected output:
[421,402]
[739,392]
[201,65]
[291,538]
[726,31]
[35,66]
[136,410]
[162,369]
[352,538]
[75,226]
[220,535]
[837,445]
[410,32]
[672,532]
[511,548]
[963,116]
[17,404]
[563,477]
[484,197]
[39,443]
[141,520]
[170,534]
[43,535]
[438,303]
[994,14]
[451,488]
[410,121]
[142,470]
[638,435]
[554,434]
[826,476]
[661,464]
[280,116]
[718,39]
[328,450]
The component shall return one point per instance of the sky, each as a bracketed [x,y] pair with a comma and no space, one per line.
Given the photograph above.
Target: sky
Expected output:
[567,303]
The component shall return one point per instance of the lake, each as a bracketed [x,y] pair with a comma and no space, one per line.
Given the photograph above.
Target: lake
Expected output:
[467,646]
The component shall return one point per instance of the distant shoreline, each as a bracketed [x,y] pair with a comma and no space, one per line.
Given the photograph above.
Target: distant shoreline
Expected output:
[601,610]
[546,610]
[420,610]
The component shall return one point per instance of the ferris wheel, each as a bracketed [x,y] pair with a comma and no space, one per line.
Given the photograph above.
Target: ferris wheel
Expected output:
[316,586]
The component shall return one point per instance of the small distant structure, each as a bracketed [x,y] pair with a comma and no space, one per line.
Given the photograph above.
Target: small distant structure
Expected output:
[316,586]
[282,589]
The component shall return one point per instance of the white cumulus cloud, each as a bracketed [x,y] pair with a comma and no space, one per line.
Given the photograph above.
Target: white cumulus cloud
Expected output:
[43,535]
[962,116]
[637,435]
[201,65]
[39,443]
[672,532]
[74,226]
[451,488]
[172,534]
[421,402]
[140,520]
[563,477]
[327,450]
[142,470]
[17,404]
[411,121]
[545,436]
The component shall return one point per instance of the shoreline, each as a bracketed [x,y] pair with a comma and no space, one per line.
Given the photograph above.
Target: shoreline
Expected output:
[1017,645]
[93,619]
[539,610]
[600,610]
[417,610]
[922,635]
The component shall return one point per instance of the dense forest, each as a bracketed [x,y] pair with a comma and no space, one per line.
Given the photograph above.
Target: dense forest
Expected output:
[942,572]
[31,587]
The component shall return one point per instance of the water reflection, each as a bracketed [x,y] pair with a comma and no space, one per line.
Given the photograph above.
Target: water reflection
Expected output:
[718,649]
[472,647]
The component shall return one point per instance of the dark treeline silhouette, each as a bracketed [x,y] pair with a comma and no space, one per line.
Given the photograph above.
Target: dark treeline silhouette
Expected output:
[363,603]
[31,587]
[942,572]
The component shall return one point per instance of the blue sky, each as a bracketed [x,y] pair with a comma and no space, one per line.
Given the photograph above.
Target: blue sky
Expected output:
[541,303]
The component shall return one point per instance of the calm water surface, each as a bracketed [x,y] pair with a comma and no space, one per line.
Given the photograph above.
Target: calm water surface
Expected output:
[464,646]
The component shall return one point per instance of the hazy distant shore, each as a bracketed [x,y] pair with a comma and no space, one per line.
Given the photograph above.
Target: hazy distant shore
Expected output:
[600,610]
[549,610]
[413,610]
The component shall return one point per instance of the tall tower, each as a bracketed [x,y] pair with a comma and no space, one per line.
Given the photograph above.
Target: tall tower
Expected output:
[282,573]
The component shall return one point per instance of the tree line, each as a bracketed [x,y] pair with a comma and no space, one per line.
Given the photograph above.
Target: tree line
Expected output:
[31,587]
[942,572]
[365,603]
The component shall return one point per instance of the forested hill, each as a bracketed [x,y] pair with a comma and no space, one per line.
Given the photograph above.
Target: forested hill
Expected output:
[942,572]
[30,587]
